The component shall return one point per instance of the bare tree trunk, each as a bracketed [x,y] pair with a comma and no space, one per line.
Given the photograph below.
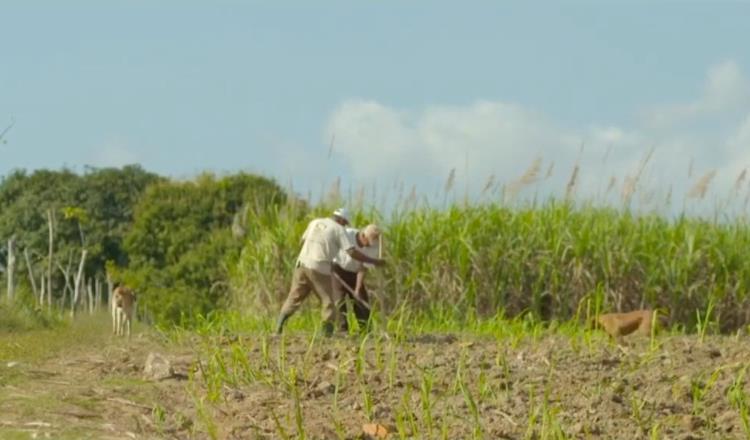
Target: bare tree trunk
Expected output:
[41,296]
[98,289]
[31,271]
[77,285]
[110,288]
[67,289]
[11,267]
[90,291]
[50,225]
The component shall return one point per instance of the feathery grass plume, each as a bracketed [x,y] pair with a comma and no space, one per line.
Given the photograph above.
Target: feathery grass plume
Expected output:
[647,197]
[740,179]
[412,199]
[450,181]
[488,185]
[549,170]
[612,183]
[400,190]
[701,186]
[330,148]
[570,189]
[5,131]
[628,188]
[333,197]
[529,176]
[359,199]
[668,201]
[631,183]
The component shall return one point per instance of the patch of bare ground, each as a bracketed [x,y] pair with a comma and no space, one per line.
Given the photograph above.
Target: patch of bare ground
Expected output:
[427,386]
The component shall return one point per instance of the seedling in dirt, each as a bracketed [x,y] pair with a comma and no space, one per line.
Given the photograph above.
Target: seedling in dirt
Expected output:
[461,364]
[310,347]
[653,344]
[338,427]
[739,400]
[533,415]
[470,403]
[392,366]
[406,409]
[550,426]
[337,387]
[636,411]
[279,426]
[501,362]
[367,403]
[699,390]
[265,356]
[159,416]
[241,365]
[426,398]
[281,354]
[359,362]
[703,322]
[212,381]
[654,433]
[299,418]
[485,387]
[201,410]
[378,352]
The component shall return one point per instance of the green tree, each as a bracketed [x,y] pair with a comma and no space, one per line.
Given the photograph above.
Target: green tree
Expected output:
[181,245]
[93,210]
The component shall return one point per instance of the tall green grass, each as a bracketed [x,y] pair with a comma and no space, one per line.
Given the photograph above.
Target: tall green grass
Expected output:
[19,316]
[552,260]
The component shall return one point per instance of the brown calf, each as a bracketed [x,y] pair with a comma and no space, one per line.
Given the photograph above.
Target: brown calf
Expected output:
[618,325]
[123,308]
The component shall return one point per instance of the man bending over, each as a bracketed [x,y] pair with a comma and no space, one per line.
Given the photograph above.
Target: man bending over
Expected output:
[321,242]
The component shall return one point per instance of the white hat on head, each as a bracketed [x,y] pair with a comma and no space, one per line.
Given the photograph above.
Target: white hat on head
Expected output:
[342,213]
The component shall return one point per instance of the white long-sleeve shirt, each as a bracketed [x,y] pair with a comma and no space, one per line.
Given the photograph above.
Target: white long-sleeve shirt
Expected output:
[348,263]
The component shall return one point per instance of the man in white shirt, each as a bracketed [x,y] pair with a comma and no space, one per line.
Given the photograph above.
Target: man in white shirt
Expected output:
[323,239]
[349,274]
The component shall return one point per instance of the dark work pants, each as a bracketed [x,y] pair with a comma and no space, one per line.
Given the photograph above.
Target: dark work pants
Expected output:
[361,312]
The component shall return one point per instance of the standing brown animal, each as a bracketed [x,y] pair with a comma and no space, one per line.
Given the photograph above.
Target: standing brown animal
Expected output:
[123,308]
[618,325]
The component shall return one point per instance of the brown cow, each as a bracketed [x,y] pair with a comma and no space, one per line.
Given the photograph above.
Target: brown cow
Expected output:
[618,325]
[123,308]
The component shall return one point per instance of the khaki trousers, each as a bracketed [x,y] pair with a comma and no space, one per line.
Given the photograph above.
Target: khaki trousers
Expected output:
[306,280]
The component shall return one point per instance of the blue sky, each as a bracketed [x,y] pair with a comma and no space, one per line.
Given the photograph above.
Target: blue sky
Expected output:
[407,91]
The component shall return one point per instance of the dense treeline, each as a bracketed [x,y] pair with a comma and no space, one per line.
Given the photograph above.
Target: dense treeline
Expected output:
[92,210]
[186,239]
[173,240]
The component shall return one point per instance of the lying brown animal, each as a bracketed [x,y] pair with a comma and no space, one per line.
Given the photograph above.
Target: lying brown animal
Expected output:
[123,308]
[618,325]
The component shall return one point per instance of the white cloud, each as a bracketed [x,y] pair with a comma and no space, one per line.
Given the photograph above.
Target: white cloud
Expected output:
[483,138]
[726,90]
[503,139]
[738,147]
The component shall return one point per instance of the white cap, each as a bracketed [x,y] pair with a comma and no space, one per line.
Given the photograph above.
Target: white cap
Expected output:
[342,213]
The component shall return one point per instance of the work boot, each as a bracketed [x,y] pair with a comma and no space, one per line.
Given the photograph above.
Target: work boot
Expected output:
[280,323]
[328,329]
